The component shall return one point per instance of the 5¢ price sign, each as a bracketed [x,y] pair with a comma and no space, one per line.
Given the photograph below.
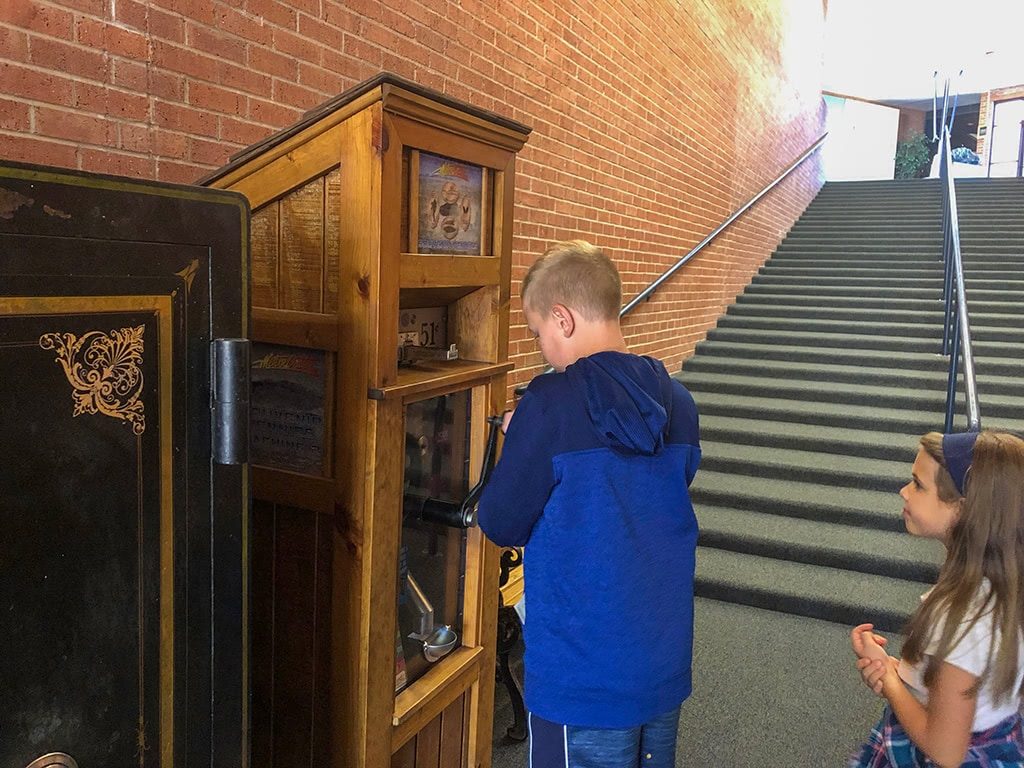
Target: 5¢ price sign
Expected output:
[426,327]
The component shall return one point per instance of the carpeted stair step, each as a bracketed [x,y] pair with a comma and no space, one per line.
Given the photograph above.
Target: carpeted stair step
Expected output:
[885,553]
[827,469]
[980,331]
[831,594]
[909,271]
[828,414]
[858,507]
[781,434]
[893,292]
[813,391]
[816,384]
[934,378]
[869,357]
[875,302]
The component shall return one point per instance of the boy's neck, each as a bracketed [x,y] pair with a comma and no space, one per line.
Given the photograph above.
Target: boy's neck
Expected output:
[589,338]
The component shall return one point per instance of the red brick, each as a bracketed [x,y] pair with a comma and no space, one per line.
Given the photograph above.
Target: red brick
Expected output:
[244,79]
[184,60]
[295,95]
[252,29]
[74,126]
[266,60]
[170,144]
[41,18]
[216,99]
[102,100]
[14,44]
[210,153]
[179,173]
[28,149]
[324,34]
[14,115]
[269,113]
[176,117]
[135,138]
[131,75]
[275,13]
[34,85]
[116,41]
[241,132]
[292,44]
[63,57]
[215,44]
[321,79]
[189,9]
[117,163]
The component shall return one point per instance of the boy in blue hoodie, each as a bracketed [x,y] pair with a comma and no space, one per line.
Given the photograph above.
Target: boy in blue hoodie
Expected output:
[593,481]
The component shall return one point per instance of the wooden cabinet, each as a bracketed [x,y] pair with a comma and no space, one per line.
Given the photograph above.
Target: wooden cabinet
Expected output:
[381,229]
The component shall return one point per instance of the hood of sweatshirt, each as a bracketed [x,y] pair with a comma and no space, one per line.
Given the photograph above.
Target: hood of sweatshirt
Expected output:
[628,398]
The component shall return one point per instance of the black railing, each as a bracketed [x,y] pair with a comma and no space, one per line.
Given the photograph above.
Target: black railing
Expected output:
[956,336]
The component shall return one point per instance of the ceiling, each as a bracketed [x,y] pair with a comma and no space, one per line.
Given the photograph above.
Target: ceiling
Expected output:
[889,50]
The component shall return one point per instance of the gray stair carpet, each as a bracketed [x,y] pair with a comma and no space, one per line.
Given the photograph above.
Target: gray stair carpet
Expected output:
[813,390]
[815,385]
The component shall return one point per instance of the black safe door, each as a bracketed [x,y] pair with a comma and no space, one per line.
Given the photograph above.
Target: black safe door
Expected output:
[123,504]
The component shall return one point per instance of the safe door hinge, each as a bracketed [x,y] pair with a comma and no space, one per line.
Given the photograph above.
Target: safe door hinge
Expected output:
[230,404]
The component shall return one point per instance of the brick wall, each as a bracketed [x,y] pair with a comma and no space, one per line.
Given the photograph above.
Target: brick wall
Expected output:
[652,120]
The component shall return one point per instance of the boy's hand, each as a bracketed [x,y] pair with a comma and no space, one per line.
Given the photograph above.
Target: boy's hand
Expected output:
[866,644]
[506,417]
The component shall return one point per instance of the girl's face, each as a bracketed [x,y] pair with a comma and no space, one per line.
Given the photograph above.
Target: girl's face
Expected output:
[924,513]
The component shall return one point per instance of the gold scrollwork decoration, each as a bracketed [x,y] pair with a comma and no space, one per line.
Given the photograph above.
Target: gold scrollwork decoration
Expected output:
[104,371]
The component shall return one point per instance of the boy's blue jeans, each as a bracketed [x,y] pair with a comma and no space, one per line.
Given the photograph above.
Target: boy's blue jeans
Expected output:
[651,745]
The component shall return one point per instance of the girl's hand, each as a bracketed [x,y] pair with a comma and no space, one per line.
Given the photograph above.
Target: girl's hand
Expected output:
[874,671]
[866,644]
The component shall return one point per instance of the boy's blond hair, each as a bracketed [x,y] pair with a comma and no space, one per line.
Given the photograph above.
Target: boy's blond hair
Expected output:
[578,275]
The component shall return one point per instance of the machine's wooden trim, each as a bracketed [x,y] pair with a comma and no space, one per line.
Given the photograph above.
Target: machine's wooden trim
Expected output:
[238,177]
[425,699]
[436,141]
[432,113]
[295,329]
[428,378]
[293,489]
[448,271]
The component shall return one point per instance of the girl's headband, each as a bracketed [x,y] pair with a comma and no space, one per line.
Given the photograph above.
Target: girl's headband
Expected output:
[958,451]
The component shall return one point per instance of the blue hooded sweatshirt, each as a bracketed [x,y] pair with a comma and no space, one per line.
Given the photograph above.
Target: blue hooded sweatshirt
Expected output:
[593,479]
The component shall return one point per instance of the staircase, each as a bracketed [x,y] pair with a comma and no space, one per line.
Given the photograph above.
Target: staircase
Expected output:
[816,384]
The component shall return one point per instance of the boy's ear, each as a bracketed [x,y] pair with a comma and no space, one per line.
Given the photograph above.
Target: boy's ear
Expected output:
[565,318]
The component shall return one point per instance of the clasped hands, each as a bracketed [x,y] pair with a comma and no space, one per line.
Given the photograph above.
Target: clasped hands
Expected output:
[872,660]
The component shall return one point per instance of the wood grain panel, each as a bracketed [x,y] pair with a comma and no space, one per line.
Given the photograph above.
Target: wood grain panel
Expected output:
[332,239]
[302,248]
[428,745]
[264,249]
[451,734]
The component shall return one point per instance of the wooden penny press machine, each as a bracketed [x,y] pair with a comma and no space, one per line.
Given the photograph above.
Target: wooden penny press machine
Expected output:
[381,242]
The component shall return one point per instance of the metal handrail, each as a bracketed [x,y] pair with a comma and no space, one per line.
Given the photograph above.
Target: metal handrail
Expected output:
[646,292]
[956,337]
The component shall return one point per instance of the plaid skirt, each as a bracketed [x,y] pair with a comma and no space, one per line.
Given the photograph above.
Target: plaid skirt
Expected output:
[1001,746]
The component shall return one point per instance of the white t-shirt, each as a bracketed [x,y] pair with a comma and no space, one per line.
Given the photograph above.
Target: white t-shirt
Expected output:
[971,654]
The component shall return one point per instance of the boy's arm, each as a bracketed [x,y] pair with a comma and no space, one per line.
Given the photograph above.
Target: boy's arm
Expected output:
[521,482]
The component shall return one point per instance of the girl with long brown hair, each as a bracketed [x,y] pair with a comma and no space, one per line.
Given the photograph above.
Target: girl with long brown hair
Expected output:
[953,697]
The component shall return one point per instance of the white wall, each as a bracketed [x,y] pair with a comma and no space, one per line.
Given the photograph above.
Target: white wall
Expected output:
[861,140]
